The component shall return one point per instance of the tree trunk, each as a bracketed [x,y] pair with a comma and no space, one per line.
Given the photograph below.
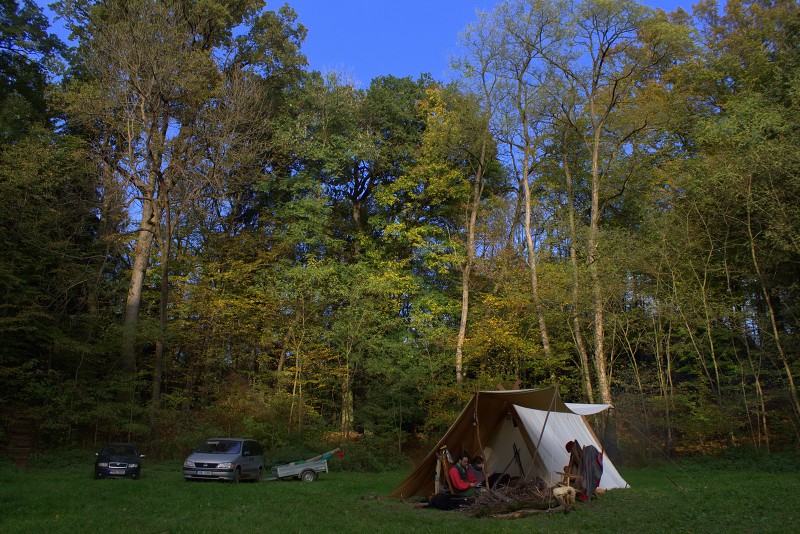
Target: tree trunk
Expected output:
[702,283]
[528,217]
[347,404]
[462,327]
[477,190]
[770,309]
[281,378]
[148,227]
[600,360]
[573,256]
[158,363]
[668,391]
[534,268]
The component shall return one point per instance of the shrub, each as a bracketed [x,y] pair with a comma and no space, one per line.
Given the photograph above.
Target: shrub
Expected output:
[373,454]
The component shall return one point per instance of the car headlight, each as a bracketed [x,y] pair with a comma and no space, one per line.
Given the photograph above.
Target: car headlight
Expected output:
[102,464]
[226,465]
[133,466]
[188,464]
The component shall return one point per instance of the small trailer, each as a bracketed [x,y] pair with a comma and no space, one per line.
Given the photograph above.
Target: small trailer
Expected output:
[305,470]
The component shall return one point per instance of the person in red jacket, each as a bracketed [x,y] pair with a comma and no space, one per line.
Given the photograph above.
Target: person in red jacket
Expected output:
[462,480]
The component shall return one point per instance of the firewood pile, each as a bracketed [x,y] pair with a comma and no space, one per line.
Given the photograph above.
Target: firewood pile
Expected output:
[521,499]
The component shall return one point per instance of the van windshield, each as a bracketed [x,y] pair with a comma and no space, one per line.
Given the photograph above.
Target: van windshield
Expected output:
[221,447]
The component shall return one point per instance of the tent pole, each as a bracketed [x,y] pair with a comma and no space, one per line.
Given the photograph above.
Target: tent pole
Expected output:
[541,433]
[476,420]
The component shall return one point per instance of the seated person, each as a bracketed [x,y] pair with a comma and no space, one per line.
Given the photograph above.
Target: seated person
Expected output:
[463,483]
[573,466]
[476,470]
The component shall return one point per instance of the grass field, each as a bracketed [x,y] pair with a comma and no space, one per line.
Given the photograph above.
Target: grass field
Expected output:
[744,495]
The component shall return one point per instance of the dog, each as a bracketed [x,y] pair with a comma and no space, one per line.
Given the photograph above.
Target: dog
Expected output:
[565,495]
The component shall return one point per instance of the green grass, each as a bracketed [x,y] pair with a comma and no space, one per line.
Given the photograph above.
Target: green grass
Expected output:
[716,497]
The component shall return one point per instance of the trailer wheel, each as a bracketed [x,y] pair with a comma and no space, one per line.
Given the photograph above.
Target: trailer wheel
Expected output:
[308,476]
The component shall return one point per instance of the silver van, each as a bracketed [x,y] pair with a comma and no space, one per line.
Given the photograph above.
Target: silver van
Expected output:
[231,459]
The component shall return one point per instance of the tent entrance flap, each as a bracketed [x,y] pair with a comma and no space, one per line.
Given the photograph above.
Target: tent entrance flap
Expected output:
[507,451]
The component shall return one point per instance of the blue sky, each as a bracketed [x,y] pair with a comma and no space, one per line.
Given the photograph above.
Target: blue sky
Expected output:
[369,38]
[363,39]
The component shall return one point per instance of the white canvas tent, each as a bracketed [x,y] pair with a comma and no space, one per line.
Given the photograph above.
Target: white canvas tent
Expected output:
[522,433]
[559,429]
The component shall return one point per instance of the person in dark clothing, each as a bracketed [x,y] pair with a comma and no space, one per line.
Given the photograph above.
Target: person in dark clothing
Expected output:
[476,470]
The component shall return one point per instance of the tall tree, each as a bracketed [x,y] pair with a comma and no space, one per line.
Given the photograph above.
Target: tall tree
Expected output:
[53,270]
[749,142]
[614,47]
[360,141]
[149,71]
[504,61]
[459,149]
[28,53]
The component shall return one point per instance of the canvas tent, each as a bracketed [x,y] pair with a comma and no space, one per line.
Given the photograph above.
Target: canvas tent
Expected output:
[533,422]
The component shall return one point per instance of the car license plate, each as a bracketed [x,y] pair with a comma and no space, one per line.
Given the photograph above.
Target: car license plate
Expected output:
[117,471]
[205,472]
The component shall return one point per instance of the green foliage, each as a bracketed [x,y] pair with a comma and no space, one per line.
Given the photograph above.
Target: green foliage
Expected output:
[28,54]
[373,453]
[51,269]
[443,406]
[308,289]
[702,424]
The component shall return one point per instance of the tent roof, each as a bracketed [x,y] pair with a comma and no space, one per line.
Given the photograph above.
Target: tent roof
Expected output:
[587,409]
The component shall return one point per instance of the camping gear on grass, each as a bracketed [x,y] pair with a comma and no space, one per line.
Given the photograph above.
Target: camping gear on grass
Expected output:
[520,434]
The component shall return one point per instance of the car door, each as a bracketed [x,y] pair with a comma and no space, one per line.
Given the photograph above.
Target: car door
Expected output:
[258,456]
[247,459]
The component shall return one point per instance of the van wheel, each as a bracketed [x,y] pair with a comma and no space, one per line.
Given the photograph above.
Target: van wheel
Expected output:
[308,476]
[259,475]
[237,476]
